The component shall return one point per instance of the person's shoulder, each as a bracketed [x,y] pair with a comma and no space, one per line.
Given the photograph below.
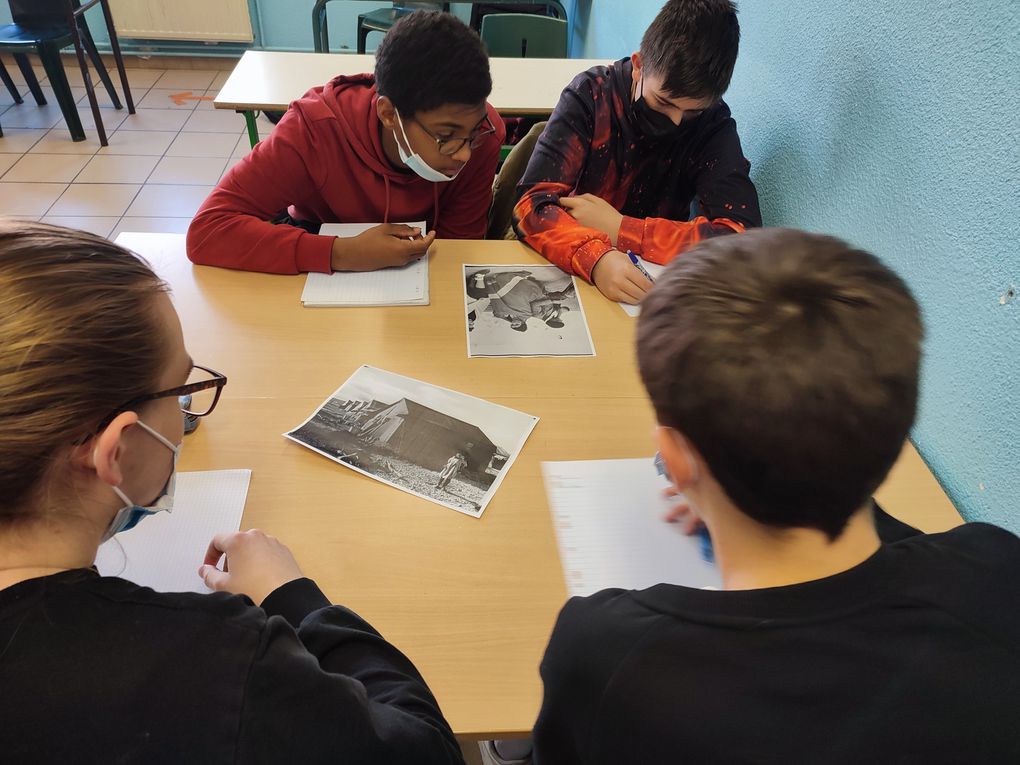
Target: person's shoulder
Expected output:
[602,77]
[607,612]
[977,542]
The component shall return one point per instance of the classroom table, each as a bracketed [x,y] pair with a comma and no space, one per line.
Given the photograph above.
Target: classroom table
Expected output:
[271,80]
[470,601]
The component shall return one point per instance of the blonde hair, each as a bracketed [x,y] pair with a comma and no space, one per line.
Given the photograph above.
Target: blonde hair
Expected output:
[79,337]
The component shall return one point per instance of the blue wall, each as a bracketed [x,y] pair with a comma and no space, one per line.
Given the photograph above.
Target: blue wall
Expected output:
[895,126]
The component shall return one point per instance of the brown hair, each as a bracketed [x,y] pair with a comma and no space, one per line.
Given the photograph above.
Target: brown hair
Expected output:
[790,360]
[78,338]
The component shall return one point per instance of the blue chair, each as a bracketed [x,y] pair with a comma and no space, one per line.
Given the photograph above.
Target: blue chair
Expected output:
[47,26]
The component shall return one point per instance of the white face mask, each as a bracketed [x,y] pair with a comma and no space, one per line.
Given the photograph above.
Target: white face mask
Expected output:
[414,161]
[129,516]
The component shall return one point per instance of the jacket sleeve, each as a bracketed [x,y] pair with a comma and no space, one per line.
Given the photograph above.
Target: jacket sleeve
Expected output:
[335,690]
[560,154]
[466,215]
[726,198]
[232,227]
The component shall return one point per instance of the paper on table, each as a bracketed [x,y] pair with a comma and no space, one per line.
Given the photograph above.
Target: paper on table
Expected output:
[408,285]
[165,550]
[608,516]
[653,269]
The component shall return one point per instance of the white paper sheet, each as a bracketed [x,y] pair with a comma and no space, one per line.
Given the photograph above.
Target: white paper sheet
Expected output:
[165,550]
[408,285]
[608,516]
[653,269]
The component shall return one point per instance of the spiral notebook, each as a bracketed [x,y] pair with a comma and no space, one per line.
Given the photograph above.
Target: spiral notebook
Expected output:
[408,285]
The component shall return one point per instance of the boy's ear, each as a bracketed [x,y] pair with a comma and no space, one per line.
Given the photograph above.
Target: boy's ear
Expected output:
[387,112]
[635,74]
[682,461]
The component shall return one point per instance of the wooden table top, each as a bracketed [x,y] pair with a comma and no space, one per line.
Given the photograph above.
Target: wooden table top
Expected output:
[471,601]
[272,79]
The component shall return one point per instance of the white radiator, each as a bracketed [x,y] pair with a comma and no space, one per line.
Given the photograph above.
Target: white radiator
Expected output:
[206,20]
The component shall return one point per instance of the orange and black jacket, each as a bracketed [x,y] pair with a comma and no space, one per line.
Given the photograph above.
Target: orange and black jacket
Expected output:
[673,193]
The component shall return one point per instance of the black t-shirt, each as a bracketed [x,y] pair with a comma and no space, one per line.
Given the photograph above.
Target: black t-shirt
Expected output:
[911,657]
[97,669]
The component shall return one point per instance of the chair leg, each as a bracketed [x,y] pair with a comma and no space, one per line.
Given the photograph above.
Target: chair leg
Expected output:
[62,90]
[9,83]
[30,79]
[97,63]
[117,56]
[362,37]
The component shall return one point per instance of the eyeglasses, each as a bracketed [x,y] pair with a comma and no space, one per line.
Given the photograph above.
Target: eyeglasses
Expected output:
[447,147]
[203,390]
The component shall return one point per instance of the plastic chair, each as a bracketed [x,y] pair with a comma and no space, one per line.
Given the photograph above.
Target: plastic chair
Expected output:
[383,19]
[47,26]
[524,35]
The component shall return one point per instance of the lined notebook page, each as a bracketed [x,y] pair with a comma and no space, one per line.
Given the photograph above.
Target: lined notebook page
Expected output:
[654,269]
[165,550]
[608,520]
[408,285]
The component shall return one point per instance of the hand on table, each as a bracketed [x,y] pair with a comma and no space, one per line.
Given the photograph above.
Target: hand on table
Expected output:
[254,564]
[682,513]
[619,279]
[382,246]
[594,212]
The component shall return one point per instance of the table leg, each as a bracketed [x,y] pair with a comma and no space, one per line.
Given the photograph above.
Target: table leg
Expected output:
[253,130]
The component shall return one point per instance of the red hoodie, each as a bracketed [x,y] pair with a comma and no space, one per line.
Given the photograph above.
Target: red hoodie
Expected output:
[324,162]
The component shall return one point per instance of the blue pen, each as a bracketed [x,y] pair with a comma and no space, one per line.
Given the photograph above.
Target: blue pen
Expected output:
[705,539]
[638,266]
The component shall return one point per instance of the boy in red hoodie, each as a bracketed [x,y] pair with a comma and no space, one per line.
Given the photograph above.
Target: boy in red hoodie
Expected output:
[416,141]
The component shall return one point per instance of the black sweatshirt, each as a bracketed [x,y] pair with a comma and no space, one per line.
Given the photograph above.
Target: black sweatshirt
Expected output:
[913,656]
[97,669]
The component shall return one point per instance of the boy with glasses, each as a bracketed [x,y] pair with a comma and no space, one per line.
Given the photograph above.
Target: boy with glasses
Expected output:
[414,141]
[642,156]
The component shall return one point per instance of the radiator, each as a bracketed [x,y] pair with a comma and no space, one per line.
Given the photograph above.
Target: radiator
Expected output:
[205,20]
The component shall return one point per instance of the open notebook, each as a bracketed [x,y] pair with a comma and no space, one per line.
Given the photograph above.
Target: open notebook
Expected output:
[165,550]
[408,285]
[608,517]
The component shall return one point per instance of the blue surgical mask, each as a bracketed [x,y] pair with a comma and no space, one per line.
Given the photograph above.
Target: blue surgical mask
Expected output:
[414,161]
[131,514]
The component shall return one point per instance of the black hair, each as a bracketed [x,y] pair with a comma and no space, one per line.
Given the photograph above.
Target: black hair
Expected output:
[692,45]
[790,361]
[431,58]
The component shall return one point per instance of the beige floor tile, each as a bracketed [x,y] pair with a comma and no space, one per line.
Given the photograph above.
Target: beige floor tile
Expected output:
[112,118]
[58,141]
[81,96]
[140,80]
[242,148]
[29,115]
[220,80]
[147,225]
[6,160]
[147,142]
[188,79]
[97,225]
[192,171]
[174,201]
[18,141]
[155,119]
[29,199]
[47,168]
[117,168]
[214,121]
[95,199]
[203,145]
[160,98]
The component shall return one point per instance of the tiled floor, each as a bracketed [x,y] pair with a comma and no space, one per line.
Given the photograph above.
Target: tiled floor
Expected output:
[160,165]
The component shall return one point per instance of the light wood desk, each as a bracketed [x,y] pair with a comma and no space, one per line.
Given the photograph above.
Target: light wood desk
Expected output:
[271,80]
[471,601]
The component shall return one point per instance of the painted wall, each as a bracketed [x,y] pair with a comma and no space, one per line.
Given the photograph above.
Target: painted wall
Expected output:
[895,126]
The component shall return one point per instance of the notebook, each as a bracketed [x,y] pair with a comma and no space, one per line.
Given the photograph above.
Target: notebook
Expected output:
[653,269]
[165,550]
[408,285]
[608,517]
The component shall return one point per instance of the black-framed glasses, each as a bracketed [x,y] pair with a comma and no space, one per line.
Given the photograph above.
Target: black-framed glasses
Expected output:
[201,391]
[450,146]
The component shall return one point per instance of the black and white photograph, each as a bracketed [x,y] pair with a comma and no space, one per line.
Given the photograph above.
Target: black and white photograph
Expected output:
[524,311]
[447,447]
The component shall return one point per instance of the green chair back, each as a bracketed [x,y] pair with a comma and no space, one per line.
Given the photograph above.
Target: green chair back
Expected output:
[524,35]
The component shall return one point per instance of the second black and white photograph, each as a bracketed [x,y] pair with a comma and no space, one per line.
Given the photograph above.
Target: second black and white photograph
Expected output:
[444,446]
[524,311]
